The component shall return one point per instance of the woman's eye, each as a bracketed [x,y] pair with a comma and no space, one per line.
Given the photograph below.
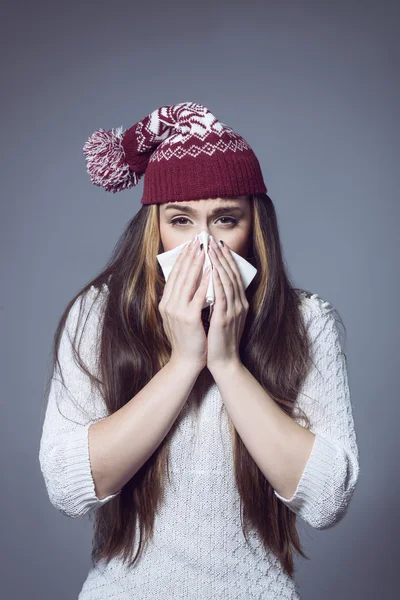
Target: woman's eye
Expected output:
[175,222]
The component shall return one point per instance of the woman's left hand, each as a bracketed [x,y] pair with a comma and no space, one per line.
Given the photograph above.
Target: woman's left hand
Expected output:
[229,310]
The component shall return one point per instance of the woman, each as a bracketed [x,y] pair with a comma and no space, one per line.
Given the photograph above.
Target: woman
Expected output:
[195,443]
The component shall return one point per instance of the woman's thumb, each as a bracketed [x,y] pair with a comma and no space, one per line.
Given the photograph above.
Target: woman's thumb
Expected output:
[202,289]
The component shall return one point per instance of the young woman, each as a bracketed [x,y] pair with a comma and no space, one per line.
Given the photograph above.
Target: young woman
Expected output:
[194,443]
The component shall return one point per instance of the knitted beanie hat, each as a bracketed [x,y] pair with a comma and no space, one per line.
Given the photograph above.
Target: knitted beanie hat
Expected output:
[186,153]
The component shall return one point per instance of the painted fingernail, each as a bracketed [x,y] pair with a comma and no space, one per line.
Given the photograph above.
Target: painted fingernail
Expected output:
[200,249]
[221,243]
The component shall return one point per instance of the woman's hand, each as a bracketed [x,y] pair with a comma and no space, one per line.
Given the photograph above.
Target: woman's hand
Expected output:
[229,311]
[181,304]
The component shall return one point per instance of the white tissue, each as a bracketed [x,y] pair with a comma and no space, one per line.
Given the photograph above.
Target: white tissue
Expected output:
[246,270]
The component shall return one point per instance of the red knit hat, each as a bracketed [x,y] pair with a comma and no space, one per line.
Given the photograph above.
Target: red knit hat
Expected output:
[186,152]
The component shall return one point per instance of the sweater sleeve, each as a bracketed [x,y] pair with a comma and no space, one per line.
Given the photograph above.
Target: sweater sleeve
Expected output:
[72,408]
[329,478]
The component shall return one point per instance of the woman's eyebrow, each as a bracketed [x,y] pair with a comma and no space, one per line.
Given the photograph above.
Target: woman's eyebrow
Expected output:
[192,211]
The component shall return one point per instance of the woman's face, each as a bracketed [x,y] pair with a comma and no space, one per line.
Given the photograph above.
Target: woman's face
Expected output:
[226,219]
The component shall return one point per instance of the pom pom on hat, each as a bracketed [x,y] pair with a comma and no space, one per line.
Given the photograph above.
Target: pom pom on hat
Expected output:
[106,162]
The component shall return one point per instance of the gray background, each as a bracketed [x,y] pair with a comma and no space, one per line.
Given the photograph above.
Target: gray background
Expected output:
[313,87]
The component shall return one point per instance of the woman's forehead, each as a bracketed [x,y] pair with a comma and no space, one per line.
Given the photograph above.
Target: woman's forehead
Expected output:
[207,202]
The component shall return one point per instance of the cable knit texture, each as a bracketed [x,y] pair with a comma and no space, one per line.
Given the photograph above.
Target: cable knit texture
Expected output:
[198,551]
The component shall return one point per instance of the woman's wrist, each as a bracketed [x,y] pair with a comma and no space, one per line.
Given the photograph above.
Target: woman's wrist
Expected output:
[187,366]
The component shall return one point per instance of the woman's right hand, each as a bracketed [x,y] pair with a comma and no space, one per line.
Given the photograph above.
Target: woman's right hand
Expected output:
[181,305]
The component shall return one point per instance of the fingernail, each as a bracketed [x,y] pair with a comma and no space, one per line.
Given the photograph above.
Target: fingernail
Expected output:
[221,243]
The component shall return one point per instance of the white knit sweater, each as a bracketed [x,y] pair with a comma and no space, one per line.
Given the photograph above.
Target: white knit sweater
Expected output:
[198,551]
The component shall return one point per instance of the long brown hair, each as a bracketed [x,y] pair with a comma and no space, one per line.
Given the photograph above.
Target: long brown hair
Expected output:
[274,347]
